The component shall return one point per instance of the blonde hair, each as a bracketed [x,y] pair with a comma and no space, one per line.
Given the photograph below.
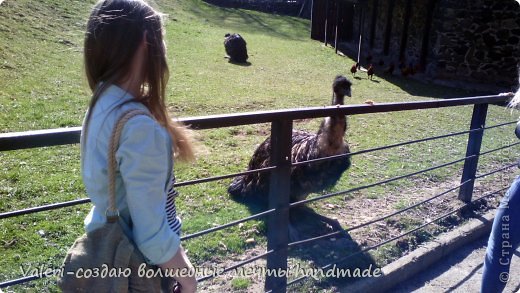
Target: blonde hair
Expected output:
[114,32]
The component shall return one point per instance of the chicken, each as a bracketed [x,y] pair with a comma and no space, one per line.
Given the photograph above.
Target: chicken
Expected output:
[370,71]
[354,68]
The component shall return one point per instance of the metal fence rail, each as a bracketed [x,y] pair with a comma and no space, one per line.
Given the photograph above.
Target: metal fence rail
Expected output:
[376,183]
[366,249]
[278,211]
[239,264]
[307,241]
[63,136]
[48,207]
[230,224]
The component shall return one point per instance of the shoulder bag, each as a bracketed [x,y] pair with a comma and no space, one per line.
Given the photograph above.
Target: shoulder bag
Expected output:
[105,260]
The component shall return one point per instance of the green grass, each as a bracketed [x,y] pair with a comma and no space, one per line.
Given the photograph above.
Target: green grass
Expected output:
[42,86]
[240,283]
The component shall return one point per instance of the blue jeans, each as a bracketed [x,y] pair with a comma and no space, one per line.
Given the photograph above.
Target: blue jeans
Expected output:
[503,241]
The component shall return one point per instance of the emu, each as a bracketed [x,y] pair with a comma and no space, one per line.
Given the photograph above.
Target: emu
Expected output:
[236,48]
[307,178]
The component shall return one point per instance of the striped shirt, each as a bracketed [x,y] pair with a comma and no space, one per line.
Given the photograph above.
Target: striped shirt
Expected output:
[171,211]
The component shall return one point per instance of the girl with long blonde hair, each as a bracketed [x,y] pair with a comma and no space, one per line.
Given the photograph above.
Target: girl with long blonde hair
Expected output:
[126,69]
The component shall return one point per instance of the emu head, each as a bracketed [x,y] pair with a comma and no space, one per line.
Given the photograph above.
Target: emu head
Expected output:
[341,88]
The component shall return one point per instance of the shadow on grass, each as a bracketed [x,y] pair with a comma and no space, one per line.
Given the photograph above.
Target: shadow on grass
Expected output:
[416,87]
[243,20]
[245,64]
[339,254]
[422,88]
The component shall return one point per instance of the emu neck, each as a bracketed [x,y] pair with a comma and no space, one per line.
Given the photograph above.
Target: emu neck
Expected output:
[338,99]
[332,131]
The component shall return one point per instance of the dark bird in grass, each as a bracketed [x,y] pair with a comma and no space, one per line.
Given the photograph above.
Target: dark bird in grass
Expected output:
[236,48]
[305,178]
[370,71]
[354,68]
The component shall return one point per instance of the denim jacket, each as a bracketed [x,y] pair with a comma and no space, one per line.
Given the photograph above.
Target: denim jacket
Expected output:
[143,176]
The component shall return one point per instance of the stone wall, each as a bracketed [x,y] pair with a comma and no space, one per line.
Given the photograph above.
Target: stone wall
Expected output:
[380,26]
[415,29]
[471,41]
[477,41]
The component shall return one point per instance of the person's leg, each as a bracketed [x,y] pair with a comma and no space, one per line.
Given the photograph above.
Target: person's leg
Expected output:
[503,241]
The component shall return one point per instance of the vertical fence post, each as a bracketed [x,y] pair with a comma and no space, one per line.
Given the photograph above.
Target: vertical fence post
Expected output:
[326,21]
[277,224]
[337,6]
[478,120]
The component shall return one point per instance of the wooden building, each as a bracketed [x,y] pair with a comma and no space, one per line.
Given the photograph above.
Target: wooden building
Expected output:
[468,41]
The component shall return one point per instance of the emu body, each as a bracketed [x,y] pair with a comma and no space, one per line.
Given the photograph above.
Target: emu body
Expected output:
[305,178]
[236,48]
